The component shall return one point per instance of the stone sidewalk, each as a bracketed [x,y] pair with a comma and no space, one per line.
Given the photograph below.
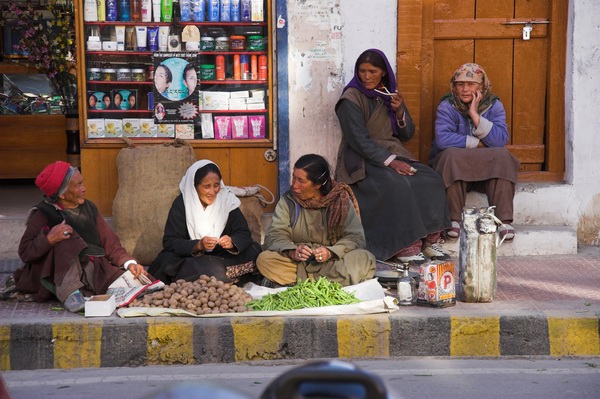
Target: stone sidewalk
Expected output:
[544,306]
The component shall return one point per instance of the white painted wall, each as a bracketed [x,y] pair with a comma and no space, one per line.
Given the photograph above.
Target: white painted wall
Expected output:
[325,38]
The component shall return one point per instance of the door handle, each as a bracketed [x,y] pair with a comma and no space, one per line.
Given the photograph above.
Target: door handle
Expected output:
[528,26]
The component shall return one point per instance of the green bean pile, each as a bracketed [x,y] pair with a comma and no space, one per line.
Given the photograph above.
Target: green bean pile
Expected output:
[305,294]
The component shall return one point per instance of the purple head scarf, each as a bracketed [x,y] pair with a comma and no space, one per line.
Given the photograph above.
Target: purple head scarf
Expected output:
[389,81]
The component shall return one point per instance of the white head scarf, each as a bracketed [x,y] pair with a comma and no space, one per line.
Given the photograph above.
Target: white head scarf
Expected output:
[210,221]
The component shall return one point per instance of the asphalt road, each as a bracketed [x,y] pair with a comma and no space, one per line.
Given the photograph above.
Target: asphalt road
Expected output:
[421,378]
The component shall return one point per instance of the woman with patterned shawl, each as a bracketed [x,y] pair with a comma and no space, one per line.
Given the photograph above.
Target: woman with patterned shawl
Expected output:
[468,150]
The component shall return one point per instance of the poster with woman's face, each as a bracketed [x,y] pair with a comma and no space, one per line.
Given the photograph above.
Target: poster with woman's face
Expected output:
[176,86]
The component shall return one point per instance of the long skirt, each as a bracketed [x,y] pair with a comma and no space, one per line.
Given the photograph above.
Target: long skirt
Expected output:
[397,210]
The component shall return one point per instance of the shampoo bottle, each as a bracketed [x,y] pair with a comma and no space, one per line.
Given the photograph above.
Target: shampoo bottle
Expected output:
[124,10]
[235,10]
[136,10]
[167,10]
[101,10]
[111,10]
[245,10]
[199,11]
[225,10]
[146,10]
[185,8]
[90,11]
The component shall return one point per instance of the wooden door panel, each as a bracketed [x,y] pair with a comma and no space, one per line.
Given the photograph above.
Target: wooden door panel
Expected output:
[529,90]
[496,57]
[528,76]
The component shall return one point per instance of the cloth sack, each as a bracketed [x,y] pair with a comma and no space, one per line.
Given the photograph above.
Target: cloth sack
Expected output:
[477,255]
[149,177]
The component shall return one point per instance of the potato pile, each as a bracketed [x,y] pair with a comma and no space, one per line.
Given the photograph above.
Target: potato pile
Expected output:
[204,296]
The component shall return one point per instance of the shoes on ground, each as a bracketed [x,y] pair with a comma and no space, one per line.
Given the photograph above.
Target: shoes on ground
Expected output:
[8,288]
[436,252]
[506,232]
[412,260]
[75,302]
[453,232]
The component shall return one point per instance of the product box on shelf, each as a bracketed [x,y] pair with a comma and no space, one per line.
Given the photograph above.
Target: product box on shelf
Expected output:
[256,126]
[148,128]
[124,99]
[131,127]
[237,104]
[206,124]
[255,106]
[165,130]
[222,127]
[113,127]
[184,131]
[239,94]
[98,100]
[215,100]
[95,128]
[239,127]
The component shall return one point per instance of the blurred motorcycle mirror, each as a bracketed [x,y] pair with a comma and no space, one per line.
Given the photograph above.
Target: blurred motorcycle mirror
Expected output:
[332,379]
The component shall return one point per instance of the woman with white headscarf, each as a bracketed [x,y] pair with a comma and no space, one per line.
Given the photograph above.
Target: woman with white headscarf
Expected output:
[206,232]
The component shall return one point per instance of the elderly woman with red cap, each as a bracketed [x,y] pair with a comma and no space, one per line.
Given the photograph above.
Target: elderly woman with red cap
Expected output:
[68,248]
[468,150]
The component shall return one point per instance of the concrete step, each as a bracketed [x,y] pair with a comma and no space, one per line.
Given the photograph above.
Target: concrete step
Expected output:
[529,239]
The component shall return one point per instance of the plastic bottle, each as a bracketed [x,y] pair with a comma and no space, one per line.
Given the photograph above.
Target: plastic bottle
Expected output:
[90,11]
[244,67]
[199,14]
[111,10]
[406,289]
[245,10]
[213,10]
[166,10]
[225,10]
[262,67]
[185,8]
[146,10]
[237,71]
[220,67]
[136,10]
[124,10]
[235,10]
[101,10]
[253,67]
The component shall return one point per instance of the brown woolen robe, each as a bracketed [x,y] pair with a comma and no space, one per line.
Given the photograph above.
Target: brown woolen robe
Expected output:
[53,262]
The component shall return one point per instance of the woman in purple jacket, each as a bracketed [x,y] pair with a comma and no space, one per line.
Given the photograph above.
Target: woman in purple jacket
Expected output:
[468,150]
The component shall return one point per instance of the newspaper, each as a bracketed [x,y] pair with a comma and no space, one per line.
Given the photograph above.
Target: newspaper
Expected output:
[126,288]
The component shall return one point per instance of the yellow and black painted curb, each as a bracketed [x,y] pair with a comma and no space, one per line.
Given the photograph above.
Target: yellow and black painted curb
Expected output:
[164,341]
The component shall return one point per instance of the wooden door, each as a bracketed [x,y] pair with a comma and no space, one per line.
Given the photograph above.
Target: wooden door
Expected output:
[437,36]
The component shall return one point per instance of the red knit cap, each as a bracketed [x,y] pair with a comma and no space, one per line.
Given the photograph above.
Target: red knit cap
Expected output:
[51,178]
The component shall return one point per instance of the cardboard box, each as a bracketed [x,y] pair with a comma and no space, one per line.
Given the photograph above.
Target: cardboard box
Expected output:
[147,127]
[255,106]
[100,306]
[256,126]
[95,128]
[222,127]
[239,94]
[237,104]
[113,128]
[437,285]
[165,130]
[184,131]
[215,100]
[206,124]
[239,127]
[131,127]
